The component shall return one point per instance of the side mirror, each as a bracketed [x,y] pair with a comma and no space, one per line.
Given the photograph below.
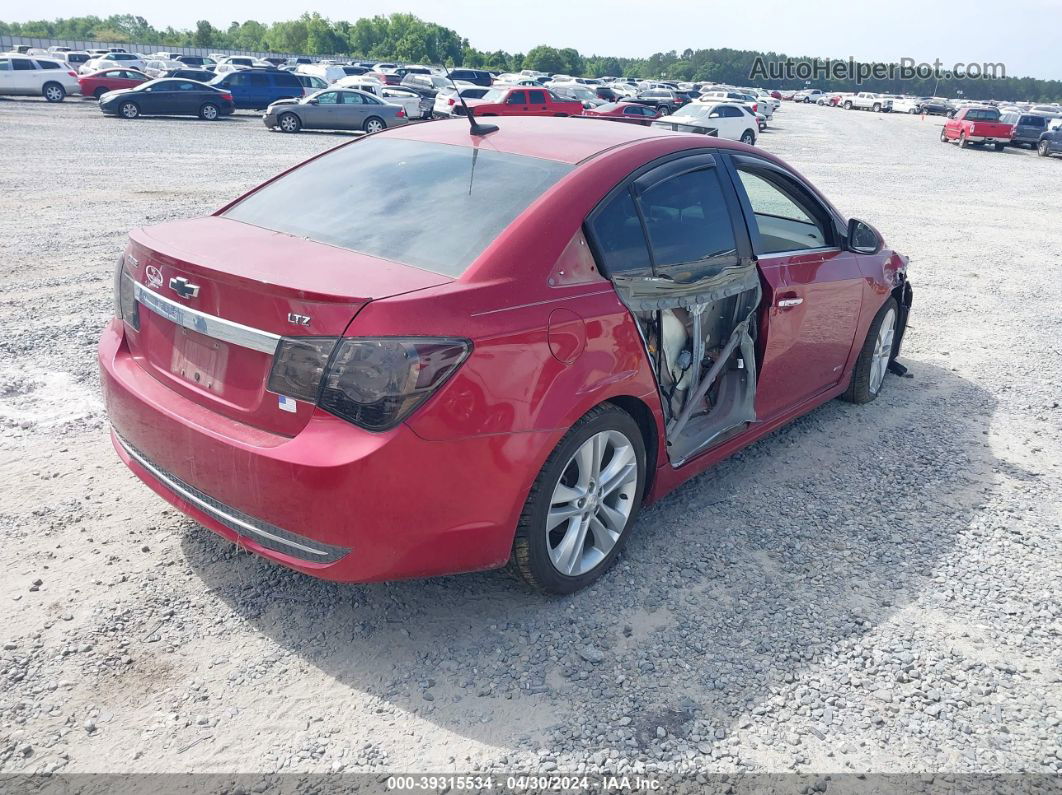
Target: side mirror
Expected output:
[312,102]
[713,115]
[862,238]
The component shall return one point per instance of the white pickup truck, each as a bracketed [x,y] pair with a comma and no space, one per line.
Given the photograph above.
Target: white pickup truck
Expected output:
[808,95]
[867,100]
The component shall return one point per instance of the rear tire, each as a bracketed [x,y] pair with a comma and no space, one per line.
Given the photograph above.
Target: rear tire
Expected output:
[129,110]
[289,123]
[209,112]
[374,124]
[868,374]
[748,137]
[99,92]
[963,143]
[999,147]
[591,522]
[53,92]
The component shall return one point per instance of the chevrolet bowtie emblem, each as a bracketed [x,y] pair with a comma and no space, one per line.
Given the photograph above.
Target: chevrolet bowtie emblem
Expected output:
[183,287]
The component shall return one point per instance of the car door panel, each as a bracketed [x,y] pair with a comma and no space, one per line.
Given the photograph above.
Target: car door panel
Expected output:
[813,292]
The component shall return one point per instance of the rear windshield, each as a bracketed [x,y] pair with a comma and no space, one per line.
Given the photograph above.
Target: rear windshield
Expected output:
[982,115]
[434,206]
[1032,121]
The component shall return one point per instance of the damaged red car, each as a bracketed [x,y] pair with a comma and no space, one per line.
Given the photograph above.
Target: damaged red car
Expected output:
[529,334]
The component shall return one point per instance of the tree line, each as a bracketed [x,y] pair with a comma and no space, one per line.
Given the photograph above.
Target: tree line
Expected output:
[405,37]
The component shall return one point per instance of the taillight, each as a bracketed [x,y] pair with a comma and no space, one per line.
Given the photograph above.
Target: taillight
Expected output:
[401,114]
[372,382]
[125,306]
[227,97]
[72,74]
[451,102]
[755,107]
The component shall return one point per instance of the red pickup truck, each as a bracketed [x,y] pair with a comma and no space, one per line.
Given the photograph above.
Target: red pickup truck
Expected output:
[523,101]
[977,126]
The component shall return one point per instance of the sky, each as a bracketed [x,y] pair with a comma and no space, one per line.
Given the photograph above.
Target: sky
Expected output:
[1022,34]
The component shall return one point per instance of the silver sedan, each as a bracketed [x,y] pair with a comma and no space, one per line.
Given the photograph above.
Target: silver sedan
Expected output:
[334,109]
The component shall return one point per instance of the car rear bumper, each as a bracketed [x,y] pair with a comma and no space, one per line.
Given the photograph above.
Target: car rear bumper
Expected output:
[335,501]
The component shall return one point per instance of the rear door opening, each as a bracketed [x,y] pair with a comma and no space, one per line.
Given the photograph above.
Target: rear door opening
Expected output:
[674,245]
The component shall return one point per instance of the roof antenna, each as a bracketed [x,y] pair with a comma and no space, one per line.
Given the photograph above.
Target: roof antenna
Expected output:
[477,128]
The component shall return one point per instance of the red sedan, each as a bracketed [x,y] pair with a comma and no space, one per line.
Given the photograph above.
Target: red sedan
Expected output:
[99,83]
[562,322]
[631,112]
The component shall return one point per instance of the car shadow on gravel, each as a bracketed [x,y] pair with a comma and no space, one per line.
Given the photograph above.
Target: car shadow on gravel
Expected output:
[745,578]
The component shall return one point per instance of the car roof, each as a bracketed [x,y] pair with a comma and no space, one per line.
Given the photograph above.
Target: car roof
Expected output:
[566,140]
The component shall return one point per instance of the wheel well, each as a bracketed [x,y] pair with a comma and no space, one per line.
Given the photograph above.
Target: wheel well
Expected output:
[642,415]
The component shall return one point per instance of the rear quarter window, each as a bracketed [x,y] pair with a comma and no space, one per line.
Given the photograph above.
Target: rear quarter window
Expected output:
[434,206]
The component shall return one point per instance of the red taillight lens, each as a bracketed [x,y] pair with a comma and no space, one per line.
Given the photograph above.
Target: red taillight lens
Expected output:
[377,382]
[451,102]
[400,115]
[72,74]
[372,382]
[227,97]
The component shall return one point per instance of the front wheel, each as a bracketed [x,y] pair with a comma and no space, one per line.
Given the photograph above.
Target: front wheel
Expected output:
[53,92]
[583,503]
[289,123]
[943,135]
[868,375]
[847,105]
[374,125]
[129,110]
[209,112]
[748,137]
[1043,149]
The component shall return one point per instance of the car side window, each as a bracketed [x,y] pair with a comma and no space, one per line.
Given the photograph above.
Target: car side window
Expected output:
[186,86]
[350,98]
[47,64]
[22,65]
[517,98]
[687,219]
[258,80]
[617,231]
[536,97]
[328,98]
[786,219]
[5,65]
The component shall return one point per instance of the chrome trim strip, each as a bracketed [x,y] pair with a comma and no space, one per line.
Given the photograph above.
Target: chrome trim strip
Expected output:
[178,488]
[210,325]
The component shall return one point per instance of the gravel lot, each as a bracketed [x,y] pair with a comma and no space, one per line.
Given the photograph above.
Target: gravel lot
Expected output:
[887,600]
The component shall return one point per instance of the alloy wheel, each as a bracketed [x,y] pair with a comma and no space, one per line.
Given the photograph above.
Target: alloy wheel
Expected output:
[210,112]
[373,126]
[53,93]
[591,503]
[130,111]
[879,362]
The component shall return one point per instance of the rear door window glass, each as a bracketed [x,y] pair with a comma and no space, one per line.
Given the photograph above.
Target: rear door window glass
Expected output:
[687,219]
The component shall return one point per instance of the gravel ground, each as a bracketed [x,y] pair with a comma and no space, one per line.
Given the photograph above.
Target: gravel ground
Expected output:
[869,589]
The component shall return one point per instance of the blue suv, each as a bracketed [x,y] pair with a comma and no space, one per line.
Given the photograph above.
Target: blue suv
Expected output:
[257,89]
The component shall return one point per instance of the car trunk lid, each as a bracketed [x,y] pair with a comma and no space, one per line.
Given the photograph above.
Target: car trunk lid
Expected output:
[215,296]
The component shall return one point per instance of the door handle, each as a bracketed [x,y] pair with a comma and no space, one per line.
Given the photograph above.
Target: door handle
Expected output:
[787,303]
